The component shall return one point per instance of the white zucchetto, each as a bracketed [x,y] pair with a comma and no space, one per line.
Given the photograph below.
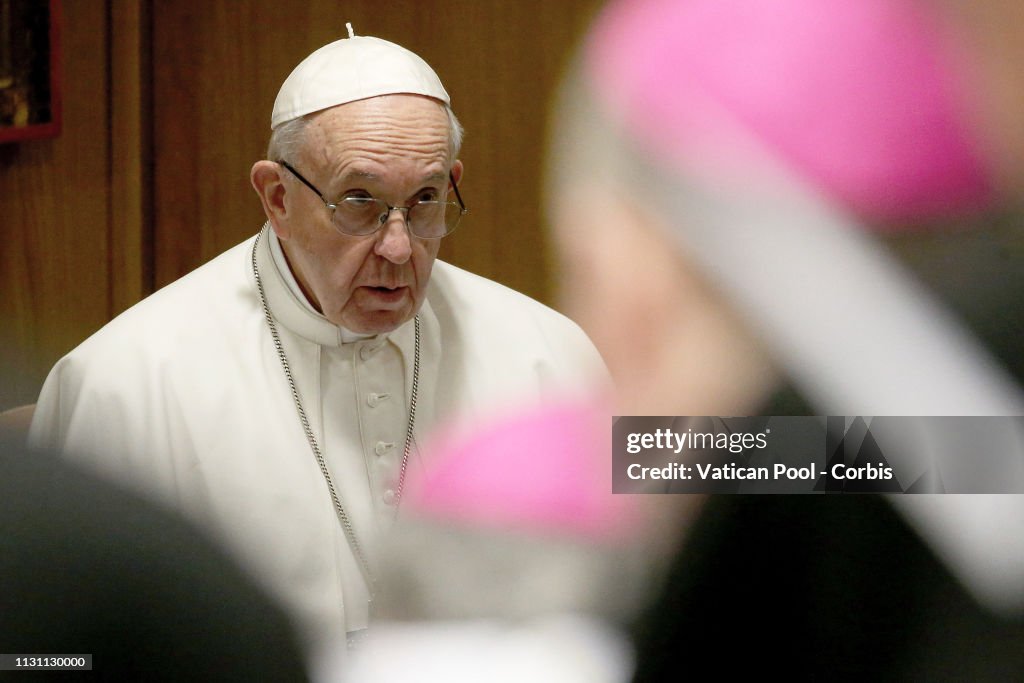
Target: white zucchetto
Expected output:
[351,69]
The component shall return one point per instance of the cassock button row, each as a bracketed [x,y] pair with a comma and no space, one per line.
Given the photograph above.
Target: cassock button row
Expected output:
[383,447]
[390,497]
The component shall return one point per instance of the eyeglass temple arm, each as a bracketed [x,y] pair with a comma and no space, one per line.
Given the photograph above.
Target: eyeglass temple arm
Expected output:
[308,184]
[458,196]
[304,181]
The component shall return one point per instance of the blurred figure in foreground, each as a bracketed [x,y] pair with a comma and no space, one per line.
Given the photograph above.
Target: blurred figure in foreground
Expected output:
[808,207]
[797,207]
[512,561]
[89,569]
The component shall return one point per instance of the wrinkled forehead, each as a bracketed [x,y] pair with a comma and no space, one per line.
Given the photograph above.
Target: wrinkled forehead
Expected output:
[401,126]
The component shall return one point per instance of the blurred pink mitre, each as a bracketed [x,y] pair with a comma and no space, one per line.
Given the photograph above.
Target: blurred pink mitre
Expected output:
[545,470]
[865,99]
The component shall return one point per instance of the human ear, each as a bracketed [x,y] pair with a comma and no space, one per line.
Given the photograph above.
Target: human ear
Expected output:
[457,171]
[267,180]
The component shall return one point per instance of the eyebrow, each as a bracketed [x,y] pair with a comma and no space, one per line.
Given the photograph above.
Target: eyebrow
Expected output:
[361,175]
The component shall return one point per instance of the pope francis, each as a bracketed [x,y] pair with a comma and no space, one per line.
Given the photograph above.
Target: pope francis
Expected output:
[279,393]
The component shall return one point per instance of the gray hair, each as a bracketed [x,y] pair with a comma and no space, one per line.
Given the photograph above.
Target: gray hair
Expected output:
[286,140]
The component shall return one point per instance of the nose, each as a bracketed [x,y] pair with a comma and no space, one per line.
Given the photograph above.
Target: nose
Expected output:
[394,241]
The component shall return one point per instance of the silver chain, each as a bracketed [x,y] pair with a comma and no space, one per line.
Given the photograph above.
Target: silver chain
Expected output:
[346,523]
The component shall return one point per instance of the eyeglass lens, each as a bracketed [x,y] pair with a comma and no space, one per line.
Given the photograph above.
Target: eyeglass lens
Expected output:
[364,215]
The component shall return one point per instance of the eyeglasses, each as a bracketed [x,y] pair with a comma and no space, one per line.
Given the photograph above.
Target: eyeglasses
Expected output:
[361,216]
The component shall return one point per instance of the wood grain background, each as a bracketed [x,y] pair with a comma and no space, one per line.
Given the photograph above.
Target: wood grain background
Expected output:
[167,105]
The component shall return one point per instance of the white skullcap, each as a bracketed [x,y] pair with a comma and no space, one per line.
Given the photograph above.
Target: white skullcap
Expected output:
[351,69]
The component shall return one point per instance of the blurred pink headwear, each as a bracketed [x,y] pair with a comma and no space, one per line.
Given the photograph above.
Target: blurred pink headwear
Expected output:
[865,99]
[776,131]
[540,470]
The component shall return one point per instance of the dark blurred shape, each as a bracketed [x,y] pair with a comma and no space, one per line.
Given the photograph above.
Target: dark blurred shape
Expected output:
[86,568]
[818,588]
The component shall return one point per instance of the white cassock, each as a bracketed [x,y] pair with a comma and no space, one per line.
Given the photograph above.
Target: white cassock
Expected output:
[184,396]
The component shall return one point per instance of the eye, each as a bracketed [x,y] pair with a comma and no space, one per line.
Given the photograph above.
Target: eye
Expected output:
[357,198]
[427,195]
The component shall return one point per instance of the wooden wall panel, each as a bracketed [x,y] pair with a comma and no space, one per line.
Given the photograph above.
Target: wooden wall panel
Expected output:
[217,68]
[131,219]
[55,204]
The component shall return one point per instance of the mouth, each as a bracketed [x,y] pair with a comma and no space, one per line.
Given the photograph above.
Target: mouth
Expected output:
[387,295]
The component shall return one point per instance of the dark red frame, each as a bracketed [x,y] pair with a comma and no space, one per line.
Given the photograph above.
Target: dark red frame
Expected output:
[51,128]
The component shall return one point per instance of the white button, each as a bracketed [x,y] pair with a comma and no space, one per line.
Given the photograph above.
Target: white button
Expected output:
[383,447]
[370,348]
[375,400]
[390,497]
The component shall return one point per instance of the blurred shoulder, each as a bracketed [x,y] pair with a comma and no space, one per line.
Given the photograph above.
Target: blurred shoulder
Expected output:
[459,292]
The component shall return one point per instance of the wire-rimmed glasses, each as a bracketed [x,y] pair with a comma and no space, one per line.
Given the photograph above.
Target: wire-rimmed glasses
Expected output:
[360,216]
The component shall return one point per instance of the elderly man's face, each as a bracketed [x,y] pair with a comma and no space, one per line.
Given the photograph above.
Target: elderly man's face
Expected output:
[394,148]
